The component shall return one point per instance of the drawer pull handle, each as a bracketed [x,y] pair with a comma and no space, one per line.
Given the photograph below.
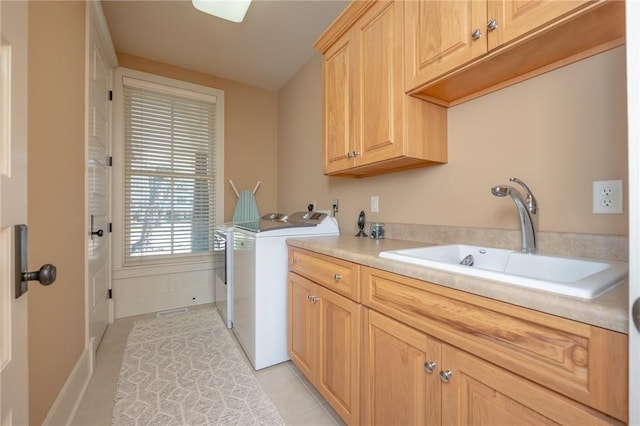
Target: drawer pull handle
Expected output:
[429,366]
[337,277]
[445,376]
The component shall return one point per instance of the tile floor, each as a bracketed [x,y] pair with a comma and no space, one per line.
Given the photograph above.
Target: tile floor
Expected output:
[293,396]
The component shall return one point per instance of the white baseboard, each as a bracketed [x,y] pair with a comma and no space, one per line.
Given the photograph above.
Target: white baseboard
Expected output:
[152,293]
[70,396]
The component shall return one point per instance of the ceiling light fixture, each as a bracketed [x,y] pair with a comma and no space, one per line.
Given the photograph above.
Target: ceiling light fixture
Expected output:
[231,10]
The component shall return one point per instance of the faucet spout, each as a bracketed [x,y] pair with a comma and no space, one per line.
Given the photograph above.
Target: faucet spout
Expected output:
[527,210]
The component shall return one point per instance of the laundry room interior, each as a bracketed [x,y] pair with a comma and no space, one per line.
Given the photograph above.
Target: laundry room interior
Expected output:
[254,221]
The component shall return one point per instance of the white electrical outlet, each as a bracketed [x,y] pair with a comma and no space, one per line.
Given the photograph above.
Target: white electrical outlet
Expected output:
[374,204]
[607,197]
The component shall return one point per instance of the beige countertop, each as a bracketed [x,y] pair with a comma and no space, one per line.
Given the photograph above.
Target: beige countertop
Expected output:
[608,311]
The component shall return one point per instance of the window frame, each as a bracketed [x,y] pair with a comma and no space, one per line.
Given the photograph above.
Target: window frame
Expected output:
[170,86]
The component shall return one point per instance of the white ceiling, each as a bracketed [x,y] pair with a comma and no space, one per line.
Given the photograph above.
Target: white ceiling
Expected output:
[265,50]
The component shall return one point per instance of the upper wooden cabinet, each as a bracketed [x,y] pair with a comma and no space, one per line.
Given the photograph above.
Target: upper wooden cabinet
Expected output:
[456,51]
[370,125]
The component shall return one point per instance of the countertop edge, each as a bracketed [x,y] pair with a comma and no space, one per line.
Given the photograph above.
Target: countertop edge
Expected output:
[608,311]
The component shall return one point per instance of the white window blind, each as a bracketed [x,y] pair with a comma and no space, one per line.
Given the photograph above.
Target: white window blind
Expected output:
[169,173]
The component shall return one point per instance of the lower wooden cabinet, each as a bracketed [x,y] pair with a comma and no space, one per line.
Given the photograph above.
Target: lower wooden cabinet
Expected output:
[324,343]
[412,378]
[396,389]
[417,353]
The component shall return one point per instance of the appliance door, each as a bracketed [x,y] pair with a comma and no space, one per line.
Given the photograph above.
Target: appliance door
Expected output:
[244,294]
[223,284]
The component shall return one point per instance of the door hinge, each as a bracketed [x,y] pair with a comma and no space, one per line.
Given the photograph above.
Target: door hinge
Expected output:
[110,95]
[110,293]
[109,161]
[110,227]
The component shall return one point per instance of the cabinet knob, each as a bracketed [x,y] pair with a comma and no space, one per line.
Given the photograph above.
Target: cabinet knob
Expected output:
[350,154]
[356,153]
[445,375]
[492,24]
[315,299]
[429,366]
[476,34]
[337,277]
[294,260]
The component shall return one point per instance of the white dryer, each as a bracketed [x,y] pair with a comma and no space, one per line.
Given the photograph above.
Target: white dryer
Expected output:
[223,260]
[260,265]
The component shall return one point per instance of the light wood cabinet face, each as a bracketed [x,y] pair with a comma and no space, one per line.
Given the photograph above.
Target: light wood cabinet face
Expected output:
[480,393]
[438,37]
[301,321]
[380,89]
[445,65]
[574,359]
[397,388]
[338,367]
[339,131]
[516,18]
[399,391]
[325,327]
[371,126]
[335,274]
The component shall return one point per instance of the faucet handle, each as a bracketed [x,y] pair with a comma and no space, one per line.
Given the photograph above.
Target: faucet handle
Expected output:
[532,204]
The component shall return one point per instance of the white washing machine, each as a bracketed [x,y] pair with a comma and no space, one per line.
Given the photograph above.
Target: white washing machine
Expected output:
[260,265]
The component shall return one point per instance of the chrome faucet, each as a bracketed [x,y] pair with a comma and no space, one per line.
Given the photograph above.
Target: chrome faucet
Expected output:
[527,210]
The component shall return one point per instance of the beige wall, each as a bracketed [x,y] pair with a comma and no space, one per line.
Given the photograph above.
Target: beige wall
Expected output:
[558,132]
[56,194]
[250,127]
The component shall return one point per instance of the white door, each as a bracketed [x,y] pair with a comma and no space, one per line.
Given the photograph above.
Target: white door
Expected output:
[98,185]
[13,210]
[633,111]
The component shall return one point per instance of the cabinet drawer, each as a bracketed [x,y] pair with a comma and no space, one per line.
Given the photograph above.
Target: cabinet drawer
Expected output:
[583,362]
[338,275]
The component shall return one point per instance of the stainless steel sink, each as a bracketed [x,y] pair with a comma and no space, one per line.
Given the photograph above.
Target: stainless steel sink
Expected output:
[583,278]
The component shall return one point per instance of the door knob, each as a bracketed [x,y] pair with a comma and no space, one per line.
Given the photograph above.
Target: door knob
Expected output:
[98,233]
[635,313]
[46,275]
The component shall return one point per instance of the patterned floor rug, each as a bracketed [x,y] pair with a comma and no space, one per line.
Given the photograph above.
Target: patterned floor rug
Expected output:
[187,370]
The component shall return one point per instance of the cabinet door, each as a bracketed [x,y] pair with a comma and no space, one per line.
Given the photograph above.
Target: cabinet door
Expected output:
[516,18]
[301,321]
[339,321]
[438,37]
[338,110]
[398,390]
[480,393]
[380,88]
